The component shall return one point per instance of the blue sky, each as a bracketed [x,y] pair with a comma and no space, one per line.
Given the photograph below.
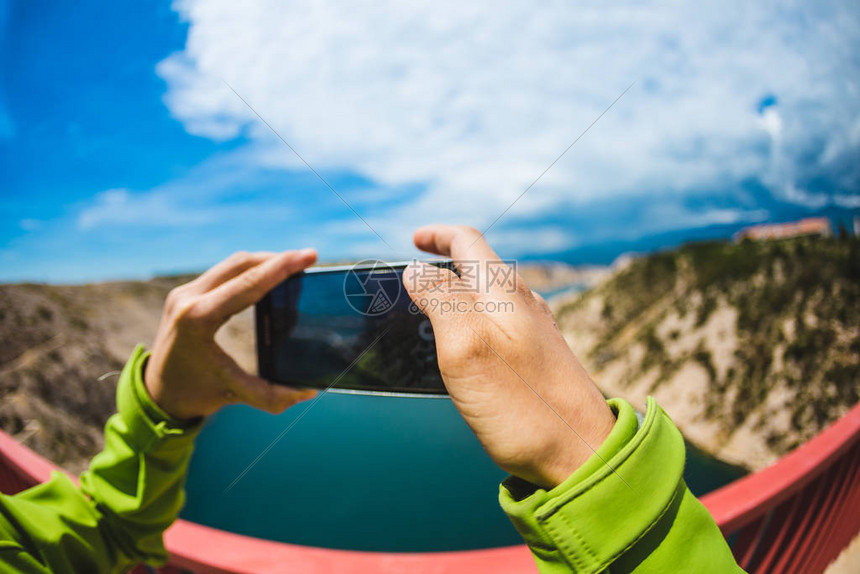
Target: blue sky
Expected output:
[123,153]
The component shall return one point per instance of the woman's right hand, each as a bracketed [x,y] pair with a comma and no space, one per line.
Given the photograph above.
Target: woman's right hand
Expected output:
[505,364]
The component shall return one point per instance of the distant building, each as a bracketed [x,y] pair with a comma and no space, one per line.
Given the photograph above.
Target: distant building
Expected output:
[809,226]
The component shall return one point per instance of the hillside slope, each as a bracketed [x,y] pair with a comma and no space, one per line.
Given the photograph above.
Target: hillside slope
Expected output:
[62,348]
[751,348]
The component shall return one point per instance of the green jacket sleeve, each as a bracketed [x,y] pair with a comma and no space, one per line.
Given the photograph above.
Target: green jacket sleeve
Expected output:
[132,491]
[627,509]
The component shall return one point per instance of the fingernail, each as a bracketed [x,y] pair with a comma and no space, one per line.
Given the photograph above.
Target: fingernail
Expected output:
[307,252]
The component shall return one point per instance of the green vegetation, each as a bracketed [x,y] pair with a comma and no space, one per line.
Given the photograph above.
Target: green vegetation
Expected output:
[797,309]
[703,357]
[44,313]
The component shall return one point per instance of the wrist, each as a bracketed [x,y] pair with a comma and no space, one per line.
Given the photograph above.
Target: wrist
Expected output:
[135,403]
[571,445]
[154,398]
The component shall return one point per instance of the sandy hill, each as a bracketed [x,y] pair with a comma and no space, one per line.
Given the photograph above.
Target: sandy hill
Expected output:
[752,348]
[62,348]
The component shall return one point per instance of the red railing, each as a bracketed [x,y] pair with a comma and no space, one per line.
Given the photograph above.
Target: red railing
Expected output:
[795,516]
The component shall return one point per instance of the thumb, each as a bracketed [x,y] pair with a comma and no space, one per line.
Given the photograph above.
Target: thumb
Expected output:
[259,393]
[270,397]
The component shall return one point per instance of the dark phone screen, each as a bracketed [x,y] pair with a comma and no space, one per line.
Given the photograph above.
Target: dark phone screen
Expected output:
[351,329]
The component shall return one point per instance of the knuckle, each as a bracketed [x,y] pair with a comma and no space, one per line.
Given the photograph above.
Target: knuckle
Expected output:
[468,233]
[251,279]
[464,237]
[187,311]
[240,257]
[174,298]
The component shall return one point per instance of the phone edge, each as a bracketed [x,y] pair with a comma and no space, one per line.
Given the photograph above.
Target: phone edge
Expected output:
[262,312]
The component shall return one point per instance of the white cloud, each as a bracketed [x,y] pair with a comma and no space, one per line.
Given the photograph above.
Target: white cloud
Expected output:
[475,100]
[671,215]
[848,201]
[121,207]
[219,190]
[536,241]
[772,123]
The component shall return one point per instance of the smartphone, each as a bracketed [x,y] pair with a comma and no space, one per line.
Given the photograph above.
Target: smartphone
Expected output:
[348,329]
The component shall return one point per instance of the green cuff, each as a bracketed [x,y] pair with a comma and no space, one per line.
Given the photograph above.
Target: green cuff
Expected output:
[147,422]
[633,477]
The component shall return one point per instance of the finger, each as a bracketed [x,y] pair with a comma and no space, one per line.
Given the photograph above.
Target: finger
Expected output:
[270,397]
[432,289]
[262,394]
[455,241]
[478,265]
[227,269]
[422,279]
[242,387]
[251,285]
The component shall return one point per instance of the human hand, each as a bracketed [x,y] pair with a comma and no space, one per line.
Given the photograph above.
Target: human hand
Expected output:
[188,374]
[505,364]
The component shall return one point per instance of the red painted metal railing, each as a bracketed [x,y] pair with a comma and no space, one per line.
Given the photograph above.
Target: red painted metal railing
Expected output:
[795,516]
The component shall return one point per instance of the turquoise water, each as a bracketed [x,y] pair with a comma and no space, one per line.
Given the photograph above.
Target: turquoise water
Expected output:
[705,473]
[362,472]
